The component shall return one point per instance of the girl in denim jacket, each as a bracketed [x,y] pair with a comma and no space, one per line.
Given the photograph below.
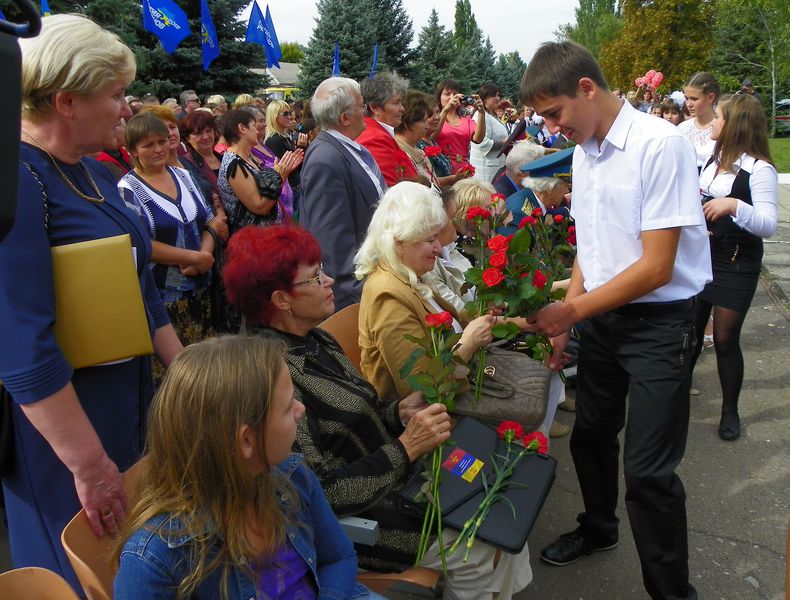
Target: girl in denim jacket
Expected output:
[223,509]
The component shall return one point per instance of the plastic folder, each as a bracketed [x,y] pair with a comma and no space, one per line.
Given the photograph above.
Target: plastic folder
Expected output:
[460,498]
[99,311]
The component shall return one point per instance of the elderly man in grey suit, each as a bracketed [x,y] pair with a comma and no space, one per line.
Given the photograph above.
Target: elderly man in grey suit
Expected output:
[341,183]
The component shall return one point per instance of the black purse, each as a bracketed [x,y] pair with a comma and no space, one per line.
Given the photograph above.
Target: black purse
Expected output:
[270,185]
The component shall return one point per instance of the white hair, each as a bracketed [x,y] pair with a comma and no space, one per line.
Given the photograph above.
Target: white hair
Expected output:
[332,98]
[541,184]
[407,212]
[522,153]
[71,54]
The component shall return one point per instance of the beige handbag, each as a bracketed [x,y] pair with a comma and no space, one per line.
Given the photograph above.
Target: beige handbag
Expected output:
[516,388]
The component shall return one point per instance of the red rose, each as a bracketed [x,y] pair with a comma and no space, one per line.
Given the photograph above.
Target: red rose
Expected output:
[497,243]
[537,212]
[496,198]
[539,280]
[492,277]
[572,239]
[558,218]
[572,229]
[510,430]
[528,220]
[439,320]
[536,441]
[432,151]
[498,259]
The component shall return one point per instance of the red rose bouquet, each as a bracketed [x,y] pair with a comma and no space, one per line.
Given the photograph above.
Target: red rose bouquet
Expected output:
[439,384]
[555,241]
[513,435]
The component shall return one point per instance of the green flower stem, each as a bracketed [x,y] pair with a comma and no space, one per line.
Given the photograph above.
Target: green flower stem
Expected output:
[471,527]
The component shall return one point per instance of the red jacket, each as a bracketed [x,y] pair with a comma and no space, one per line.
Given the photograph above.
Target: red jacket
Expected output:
[394,163]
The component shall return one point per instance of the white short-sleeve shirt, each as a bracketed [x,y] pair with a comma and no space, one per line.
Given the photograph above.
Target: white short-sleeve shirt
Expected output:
[642,178]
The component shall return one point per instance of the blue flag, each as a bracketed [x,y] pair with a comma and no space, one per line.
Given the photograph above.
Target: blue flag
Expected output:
[375,58]
[208,36]
[2,16]
[273,52]
[45,12]
[256,26]
[336,64]
[166,21]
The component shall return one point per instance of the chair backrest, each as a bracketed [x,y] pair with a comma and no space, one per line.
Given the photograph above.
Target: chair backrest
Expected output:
[344,327]
[35,583]
[90,557]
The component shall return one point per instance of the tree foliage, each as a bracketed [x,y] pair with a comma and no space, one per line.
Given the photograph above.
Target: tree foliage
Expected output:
[167,75]
[507,74]
[597,22]
[672,36]
[292,52]
[358,25]
[435,52]
[753,41]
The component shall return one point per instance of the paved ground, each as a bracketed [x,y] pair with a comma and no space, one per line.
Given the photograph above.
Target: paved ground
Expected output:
[738,493]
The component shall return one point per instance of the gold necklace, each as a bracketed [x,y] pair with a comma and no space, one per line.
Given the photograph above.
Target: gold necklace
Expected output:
[64,177]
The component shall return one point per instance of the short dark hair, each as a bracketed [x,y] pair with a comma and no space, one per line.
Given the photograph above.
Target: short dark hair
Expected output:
[417,106]
[446,84]
[555,70]
[141,125]
[231,121]
[488,90]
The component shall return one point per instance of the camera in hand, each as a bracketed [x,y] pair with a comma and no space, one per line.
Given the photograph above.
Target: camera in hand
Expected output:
[467,101]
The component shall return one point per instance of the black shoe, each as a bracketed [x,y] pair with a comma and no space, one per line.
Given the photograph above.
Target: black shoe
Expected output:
[730,427]
[570,547]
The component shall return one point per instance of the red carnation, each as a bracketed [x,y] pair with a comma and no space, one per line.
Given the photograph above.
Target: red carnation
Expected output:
[498,259]
[510,430]
[496,198]
[571,228]
[492,277]
[572,239]
[477,211]
[539,280]
[537,212]
[439,320]
[498,243]
[536,441]
[432,151]
[528,220]
[558,218]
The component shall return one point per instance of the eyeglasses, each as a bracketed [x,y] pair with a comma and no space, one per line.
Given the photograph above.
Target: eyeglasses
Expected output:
[285,113]
[194,100]
[314,280]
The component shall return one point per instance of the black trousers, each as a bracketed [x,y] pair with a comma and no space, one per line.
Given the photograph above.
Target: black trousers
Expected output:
[644,358]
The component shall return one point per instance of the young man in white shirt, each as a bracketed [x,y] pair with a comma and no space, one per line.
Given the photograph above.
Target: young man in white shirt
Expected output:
[642,258]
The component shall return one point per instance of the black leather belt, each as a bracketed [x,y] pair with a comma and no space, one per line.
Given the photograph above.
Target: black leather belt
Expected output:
[655,309]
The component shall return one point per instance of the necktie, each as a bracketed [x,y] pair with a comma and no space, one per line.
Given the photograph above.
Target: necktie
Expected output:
[368,159]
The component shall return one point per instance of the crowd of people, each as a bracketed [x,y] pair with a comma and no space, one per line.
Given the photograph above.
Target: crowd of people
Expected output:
[268,217]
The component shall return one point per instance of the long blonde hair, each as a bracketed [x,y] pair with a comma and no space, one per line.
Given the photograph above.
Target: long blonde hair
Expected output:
[407,212]
[195,474]
[272,111]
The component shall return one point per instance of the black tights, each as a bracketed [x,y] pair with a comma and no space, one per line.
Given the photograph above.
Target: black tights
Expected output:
[727,343]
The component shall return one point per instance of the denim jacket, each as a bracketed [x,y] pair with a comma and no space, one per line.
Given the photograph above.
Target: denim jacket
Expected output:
[153,563]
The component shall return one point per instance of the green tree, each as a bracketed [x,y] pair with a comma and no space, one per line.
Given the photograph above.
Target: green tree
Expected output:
[435,50]
[753,41]
[508,70]
[167,75]
[353,23]
[292,52]
[466,30]
[597,22]
[473,63]
[671,36]
[394,35]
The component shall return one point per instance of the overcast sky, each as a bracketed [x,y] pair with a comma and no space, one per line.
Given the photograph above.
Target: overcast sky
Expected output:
[512,25]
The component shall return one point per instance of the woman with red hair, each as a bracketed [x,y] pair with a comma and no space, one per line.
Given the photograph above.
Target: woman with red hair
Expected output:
[362,448]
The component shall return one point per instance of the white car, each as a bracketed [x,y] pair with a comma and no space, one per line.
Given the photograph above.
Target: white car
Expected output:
[783,116]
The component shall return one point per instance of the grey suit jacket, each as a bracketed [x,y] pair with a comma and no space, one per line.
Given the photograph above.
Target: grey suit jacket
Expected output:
[337,202]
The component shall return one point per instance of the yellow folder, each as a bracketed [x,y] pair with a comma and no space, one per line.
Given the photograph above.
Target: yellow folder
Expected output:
[99,311]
